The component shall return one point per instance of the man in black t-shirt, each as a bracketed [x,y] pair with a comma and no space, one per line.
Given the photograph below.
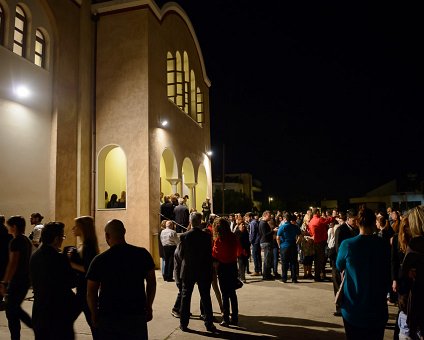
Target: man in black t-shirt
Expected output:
[119,301]
[16,280]
[5,238]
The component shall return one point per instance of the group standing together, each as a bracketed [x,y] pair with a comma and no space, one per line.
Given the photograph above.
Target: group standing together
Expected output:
[376,258]
[114,289]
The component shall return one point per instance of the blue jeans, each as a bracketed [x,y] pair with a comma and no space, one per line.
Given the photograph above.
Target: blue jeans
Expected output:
[289,260]
[266,247]
[276,255]
[257,258]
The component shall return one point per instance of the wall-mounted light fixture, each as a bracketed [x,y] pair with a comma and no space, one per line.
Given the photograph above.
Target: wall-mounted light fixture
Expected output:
[22,91]
[209,153]
[164,123]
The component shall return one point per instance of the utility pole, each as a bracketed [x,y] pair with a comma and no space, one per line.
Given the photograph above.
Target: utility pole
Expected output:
[223,179]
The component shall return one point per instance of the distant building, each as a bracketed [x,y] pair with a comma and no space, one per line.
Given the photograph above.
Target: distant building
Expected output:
[401,194]
[243,183]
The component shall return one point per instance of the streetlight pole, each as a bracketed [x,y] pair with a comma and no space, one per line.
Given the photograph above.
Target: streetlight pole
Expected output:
[223,178]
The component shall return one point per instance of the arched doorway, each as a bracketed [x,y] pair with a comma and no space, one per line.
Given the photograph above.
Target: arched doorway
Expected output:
[188,182]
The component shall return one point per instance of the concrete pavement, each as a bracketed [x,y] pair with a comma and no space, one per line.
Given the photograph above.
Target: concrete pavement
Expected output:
[268,310]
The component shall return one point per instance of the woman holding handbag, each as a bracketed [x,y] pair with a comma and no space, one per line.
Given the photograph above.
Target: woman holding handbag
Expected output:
[224,252]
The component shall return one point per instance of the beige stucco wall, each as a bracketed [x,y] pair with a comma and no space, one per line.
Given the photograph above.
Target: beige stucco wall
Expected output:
[121,115]
[53,156]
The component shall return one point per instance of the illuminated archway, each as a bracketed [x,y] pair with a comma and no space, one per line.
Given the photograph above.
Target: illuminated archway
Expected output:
[111,174]
[188,182]
[201,187]
[168,172]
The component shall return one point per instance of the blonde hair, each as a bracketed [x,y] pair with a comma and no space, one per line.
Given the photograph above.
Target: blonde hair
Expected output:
[416,220]
[88,230]
[404,235]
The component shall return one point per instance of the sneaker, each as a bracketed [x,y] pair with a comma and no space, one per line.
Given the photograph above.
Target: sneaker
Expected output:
[175,313]
[224,323]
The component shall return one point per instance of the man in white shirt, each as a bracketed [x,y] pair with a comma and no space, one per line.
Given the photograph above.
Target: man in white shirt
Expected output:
[169,239]
[35,235]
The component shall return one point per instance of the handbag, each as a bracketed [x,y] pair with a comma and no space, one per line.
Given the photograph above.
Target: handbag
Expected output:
[339,295]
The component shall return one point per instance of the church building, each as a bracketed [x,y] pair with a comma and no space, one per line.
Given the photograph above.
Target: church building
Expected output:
[101,99]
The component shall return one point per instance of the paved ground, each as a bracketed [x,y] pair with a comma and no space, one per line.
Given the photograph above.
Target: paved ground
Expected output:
[268,310]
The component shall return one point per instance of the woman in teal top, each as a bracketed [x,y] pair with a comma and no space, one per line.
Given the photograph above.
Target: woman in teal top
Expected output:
[366,265]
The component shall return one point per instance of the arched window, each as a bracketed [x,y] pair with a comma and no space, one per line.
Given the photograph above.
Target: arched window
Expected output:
[40,49]
[186,82]
[112,178]
[193,95]
[170,75]
[200,108]
[20,33]
[180,81]
[1,25]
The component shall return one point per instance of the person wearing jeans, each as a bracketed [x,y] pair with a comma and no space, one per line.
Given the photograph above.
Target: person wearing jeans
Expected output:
[255,241]
[266,238]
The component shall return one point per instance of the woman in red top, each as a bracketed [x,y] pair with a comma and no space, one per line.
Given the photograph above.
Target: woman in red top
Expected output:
[224,252]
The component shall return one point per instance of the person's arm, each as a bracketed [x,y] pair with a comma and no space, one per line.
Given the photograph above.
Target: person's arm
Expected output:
[10,271]
[11,266]
[150,293]
[341,258]
[77,267]
[279,233]
[92,299]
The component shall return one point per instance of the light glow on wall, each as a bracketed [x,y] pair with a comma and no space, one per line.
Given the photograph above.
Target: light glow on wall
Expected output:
[22,91]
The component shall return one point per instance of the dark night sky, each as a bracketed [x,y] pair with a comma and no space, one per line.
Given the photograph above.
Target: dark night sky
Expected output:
[315,100]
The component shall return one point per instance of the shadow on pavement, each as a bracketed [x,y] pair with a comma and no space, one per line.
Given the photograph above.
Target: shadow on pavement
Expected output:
[271,327]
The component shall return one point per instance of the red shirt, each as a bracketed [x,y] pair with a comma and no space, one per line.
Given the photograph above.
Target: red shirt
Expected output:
[225,249]
[318,227]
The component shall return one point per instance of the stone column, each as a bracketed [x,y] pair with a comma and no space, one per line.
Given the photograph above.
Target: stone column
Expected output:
[192,187]
[174,182]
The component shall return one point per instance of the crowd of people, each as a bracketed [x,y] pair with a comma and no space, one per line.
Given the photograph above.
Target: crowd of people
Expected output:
[376,258]
[68,281]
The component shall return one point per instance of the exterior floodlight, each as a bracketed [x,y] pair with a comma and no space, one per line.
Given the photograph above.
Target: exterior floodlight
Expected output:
[164,123]
[209,153]
[22,91]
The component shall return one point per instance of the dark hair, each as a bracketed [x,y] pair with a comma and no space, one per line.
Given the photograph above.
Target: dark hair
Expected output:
[113,198]
[37,215]
[2,219]
[17,221]
[223,227]
[342,215]
[351,213]
[52,230]
[366,218]
[287,216]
